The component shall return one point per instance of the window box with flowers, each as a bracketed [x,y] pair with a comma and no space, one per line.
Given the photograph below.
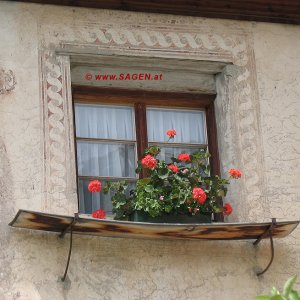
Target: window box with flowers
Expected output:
[182,191]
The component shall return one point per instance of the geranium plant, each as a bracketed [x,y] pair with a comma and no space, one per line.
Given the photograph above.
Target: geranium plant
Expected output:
[182,187]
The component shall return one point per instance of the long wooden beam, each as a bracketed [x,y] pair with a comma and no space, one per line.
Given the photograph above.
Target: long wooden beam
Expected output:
[126,229]
[277,11]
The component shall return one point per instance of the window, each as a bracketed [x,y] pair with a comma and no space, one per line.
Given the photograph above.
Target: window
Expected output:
[113,127]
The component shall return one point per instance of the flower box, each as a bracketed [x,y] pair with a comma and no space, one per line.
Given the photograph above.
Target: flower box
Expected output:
[140,216]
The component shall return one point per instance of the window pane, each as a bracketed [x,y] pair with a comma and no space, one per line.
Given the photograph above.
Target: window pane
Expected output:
[93,201]
[106,159]
[167,152]
[104,122]
[188,124]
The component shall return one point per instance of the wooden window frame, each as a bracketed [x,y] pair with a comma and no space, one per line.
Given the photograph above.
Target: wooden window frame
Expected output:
[140,99]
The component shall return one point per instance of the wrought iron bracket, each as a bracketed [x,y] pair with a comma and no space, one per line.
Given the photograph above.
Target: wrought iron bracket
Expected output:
[62,234]
[268,232]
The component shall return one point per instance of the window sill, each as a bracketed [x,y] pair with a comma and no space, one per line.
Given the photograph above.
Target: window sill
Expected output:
[104,227]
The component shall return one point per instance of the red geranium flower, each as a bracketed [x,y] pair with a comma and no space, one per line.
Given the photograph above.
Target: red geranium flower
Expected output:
[149,162]
[94,186]
[199,195]
[99,214]
[171,133]
[227,209]
[184,157]
[173,168]
[235,173]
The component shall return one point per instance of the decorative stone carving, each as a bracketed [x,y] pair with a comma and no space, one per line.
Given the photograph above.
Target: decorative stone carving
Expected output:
[58,135]
[239,140]
[7,81]
[241,107]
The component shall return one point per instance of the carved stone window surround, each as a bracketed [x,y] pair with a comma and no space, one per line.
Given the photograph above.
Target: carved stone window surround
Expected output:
[237,105]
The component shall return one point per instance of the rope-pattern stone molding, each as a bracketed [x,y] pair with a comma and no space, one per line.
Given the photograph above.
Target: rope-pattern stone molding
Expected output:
[58,121]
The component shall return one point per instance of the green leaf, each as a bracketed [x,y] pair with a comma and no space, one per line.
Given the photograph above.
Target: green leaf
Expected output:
[277,297]
[163,174]
[289,286]
[274,291]
[217,209]
[139,167]
[144,181]
[168,208]
[221,193]
[106,188]
[263,297]
[294,296]
[153,150]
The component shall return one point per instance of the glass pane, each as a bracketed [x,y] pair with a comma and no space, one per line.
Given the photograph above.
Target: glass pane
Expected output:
[106,159]
[93,201]
[168,152]
[188,124]
[104,122]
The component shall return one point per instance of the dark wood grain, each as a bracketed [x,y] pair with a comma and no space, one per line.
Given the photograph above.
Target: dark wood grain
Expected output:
[213,149]
[141,132]
[156,98]
[212,139]
[214,231]
[278,11]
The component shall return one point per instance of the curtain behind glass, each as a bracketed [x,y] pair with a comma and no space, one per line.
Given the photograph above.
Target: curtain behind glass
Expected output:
[189,125]
[103,158]
[104,122]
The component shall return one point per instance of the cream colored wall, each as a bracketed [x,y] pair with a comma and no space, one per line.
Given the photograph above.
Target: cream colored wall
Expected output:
[277,52]
[31,263]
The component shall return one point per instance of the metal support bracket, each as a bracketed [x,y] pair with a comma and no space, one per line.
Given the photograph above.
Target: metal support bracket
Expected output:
[69,228]
[268,232]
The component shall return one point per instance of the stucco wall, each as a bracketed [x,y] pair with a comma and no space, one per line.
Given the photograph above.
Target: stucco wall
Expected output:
[31,263]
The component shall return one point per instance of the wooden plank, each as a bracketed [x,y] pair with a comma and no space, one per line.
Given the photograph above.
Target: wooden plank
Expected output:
[90,94]
[277,11]
[124,229]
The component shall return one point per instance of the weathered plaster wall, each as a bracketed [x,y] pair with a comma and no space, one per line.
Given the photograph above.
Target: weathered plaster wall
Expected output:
[31,263]
[277,52]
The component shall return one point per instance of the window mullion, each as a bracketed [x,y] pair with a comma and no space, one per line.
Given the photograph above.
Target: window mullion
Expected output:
[212,140]
[141,131]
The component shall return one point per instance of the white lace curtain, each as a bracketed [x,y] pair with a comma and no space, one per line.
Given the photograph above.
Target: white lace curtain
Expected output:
[101,157]
[189,126]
